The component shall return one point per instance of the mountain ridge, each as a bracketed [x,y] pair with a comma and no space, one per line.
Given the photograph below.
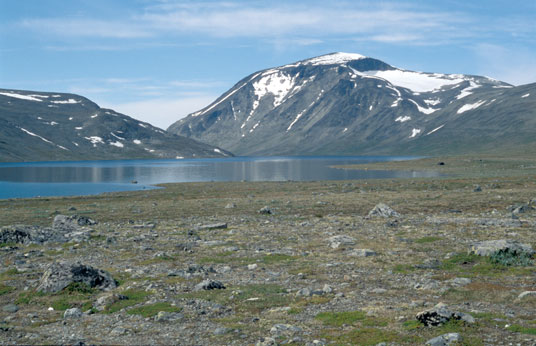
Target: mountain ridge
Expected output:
[51,126]
[343,103]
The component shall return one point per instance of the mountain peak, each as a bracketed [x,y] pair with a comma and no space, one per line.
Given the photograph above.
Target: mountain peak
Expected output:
[334,58]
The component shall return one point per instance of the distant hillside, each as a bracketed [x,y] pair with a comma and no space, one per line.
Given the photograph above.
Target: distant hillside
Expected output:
[344,103]
[43,126]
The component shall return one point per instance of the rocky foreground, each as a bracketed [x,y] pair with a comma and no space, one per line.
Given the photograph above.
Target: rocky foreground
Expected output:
[404,262]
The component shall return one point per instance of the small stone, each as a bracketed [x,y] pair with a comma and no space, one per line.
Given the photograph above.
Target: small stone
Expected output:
[230,206]
[327,289]
[265,210]
[336,241]
[304,292]
[118,331]
[73,313]
[383,210]
[527,294]
[221,331]
[444,340]
[279,329]
[209,285]
[458,282]
[164,316]
[252,266]
[379,290]
[477,188]
[266,342]
[11,308]
[221,225]
[362,253]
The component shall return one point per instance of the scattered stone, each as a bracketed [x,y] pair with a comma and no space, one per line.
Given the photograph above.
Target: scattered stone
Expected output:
[489,247]
[459,282]
[336,241]
[60,274]
[164,316]
[265,210]
[362,253]
[266,342]
[527,294]
[73,313]
[220,225]
[230,206]
[209,285]
[221,331]
[383,210]
[445,340]
[279,329]
[11,308]
[440,314]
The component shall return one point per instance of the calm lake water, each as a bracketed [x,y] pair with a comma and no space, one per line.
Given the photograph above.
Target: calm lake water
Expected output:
[92,177]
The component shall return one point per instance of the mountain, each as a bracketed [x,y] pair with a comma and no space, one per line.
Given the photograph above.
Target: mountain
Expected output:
[43,126]
[344,103]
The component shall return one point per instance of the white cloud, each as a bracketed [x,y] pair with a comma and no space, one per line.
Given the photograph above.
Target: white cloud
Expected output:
[162,112]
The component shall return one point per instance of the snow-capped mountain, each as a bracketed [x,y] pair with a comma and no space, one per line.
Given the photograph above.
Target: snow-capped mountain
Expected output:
[345,103]
[42,126]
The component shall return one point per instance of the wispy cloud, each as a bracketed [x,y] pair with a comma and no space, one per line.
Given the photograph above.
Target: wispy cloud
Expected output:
[305,24]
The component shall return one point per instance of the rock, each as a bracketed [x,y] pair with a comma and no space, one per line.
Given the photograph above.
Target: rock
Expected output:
[527,294]
[60,274]
[266,342]
[521,209]
[164,316]
[265,210]
[220,225]
[327,289]
[445,340]
[279,329]
[118,331]
[230,206]
[209,285]
[11,308]
[440,314]
[458,282]
[336,241]
[362,253]
[489,247]
[221,331]
[383,210]
[105,301]
[304,292]
[252,266]
[72,222]
[73,313]
[477,188]
[441,163]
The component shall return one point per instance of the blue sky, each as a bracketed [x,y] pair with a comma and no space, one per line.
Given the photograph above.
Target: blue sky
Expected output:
[160,60]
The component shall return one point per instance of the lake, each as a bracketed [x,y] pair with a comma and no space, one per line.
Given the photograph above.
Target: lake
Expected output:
[31,179]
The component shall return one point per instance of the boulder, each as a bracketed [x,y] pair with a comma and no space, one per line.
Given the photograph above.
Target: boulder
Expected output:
[265,210]
[105,301]
[489,247]
[440,314]
[72,222]
[336,241]
[209,285]
[73,313]
[383,210]
[61,274]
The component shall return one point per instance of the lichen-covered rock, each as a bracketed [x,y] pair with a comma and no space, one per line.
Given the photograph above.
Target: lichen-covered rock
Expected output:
[489,247]
[209,285]
[383,210]
[440,314]
[72,222]
[340,240]
[60,274]
[445,340]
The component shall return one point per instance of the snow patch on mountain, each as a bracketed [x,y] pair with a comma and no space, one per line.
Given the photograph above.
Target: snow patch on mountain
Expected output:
[95,140]
[117,144]
[69,101]
[415,132]
[34,135]
[470,106]
[434,130]
[22,97]
[403,119]
[416,81]
[526,95]
[422,109]
[467,91]
[277,83]
[305,110]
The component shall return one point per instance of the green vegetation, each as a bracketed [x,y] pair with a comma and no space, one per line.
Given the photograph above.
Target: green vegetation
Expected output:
[521,329]
[133,297]
[151,310]
[511,258]
[6,289]
[425,240]
[338,319]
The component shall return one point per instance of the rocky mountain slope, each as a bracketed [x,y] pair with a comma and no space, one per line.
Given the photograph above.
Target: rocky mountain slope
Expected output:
[344,103]
[42,126]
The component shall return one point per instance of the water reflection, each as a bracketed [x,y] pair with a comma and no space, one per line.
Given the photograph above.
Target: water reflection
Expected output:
[116,175]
